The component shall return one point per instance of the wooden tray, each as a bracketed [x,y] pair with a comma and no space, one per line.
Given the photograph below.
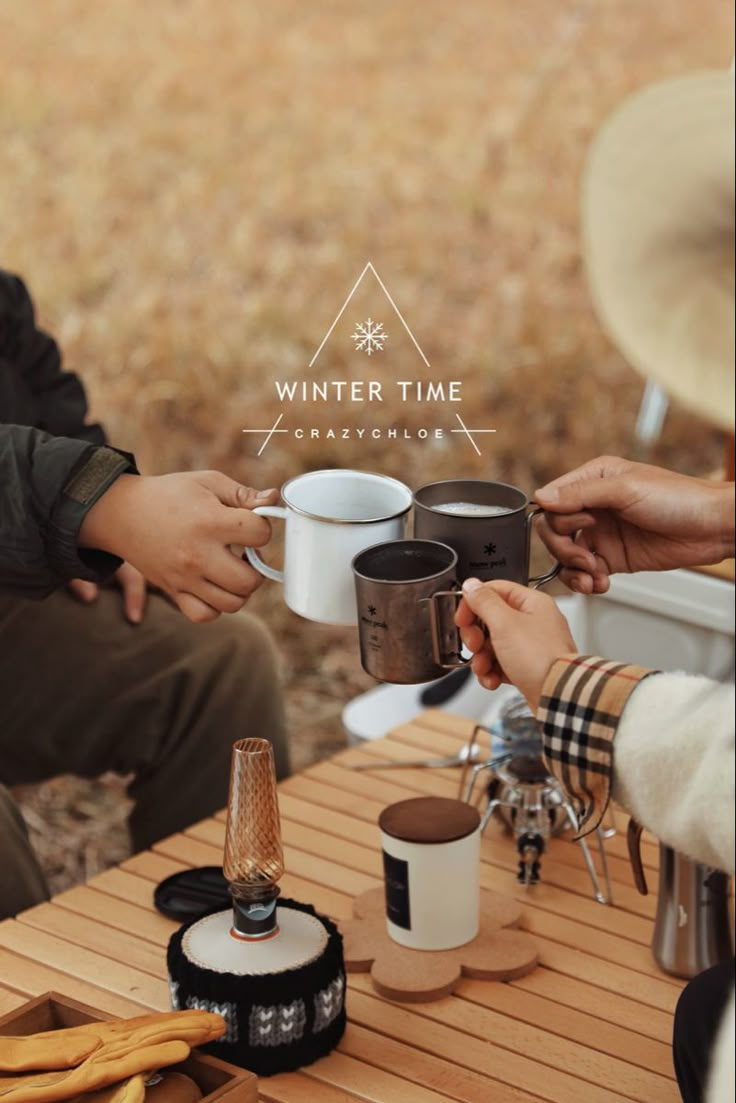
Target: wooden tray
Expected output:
[216,1079]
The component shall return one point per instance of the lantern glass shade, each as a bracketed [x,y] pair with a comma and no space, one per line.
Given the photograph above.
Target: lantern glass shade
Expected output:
[253,853]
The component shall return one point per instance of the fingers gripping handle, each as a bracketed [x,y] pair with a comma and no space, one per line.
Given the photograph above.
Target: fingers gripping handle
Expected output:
[540,579]
[454,657]
[252,555]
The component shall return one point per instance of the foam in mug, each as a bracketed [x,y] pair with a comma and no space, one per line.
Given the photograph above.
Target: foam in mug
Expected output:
[470,509]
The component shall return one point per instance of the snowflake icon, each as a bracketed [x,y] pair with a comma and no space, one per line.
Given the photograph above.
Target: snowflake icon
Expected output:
[372,610]
[490,549]
[369,336]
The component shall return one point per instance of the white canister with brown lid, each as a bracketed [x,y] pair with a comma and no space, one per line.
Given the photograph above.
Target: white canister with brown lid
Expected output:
[431,865]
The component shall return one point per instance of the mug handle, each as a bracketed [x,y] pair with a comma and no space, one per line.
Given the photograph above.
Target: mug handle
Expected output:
[252,555]
[454,659]
[540,579]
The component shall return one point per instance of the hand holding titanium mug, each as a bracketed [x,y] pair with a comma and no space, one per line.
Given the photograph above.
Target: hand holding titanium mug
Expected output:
[487,523]
[526,634]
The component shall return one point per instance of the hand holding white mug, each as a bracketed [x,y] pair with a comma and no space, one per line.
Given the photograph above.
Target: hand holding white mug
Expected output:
[177,530]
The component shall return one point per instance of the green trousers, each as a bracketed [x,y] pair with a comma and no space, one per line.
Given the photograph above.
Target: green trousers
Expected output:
[82,692]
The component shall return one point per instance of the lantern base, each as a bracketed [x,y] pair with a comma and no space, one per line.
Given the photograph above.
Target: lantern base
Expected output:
[283,999]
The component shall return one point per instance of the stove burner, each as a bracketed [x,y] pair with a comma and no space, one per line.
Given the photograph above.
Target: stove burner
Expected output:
[525,796]
[524,769]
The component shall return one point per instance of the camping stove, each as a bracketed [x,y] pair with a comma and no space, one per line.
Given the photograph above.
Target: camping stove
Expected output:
[524,796]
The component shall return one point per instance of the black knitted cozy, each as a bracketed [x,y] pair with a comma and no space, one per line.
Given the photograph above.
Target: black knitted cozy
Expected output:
[275,1022]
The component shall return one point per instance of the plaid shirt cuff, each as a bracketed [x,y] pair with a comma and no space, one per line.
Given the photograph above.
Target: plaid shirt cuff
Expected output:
[580,708]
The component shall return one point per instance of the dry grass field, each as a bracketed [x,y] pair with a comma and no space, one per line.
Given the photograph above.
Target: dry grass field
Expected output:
[192,188]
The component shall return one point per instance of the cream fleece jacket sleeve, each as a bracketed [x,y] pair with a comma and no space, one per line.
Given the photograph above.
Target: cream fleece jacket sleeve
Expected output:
[666,742]
[673,764]
[673,769]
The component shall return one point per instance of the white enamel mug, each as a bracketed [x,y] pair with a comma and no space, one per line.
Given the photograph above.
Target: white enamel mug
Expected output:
[331,516]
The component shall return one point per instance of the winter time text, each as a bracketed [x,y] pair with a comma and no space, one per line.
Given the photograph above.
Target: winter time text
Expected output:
[370,390]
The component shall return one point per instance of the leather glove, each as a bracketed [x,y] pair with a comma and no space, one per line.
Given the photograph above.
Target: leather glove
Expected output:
[197,1028]
[67,1048]
[54,1050]
[113,1061]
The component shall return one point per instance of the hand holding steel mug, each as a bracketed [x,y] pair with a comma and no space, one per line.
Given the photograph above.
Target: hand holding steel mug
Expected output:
[488,524]
[526,633]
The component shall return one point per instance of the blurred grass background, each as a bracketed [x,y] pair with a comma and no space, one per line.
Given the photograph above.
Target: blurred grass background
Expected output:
[190,190]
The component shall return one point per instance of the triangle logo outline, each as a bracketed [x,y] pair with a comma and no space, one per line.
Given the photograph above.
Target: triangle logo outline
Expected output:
[369,267]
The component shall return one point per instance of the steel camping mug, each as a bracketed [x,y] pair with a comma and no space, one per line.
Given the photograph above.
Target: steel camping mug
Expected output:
[488,524]
[407,594]
[692,927]
[330,516]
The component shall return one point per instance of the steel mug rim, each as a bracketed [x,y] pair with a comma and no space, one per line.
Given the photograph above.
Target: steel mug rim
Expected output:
[454,559]
[417,503]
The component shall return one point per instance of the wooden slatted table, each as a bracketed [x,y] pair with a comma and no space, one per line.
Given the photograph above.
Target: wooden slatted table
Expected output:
[591,1025]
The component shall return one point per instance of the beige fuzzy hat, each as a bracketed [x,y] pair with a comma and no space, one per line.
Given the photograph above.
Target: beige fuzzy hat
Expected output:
[658,237]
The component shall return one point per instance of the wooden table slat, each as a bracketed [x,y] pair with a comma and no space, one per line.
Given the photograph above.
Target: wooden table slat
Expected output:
[593,1001]
[310,866]
[33,978]
[96,936]
[10,1000]
[77,961]
[110,911]
[373,1084]
[514,1002]
[299,1087]
[510,1052]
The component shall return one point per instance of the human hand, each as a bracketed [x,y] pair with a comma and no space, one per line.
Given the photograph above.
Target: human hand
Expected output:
[130,581]
[526,634]
[177,531]
[613,515]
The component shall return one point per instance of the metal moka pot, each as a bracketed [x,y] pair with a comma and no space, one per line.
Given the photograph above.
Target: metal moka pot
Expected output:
[692,928]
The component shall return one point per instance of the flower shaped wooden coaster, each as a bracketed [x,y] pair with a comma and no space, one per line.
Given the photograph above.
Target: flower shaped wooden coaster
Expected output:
[419,976]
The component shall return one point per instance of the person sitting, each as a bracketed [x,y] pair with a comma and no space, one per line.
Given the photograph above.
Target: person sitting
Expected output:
[661,744]
[97,678]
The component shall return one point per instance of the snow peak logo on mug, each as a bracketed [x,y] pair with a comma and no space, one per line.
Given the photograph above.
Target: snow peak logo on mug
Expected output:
[488,564]
[370,619]
[369,332]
